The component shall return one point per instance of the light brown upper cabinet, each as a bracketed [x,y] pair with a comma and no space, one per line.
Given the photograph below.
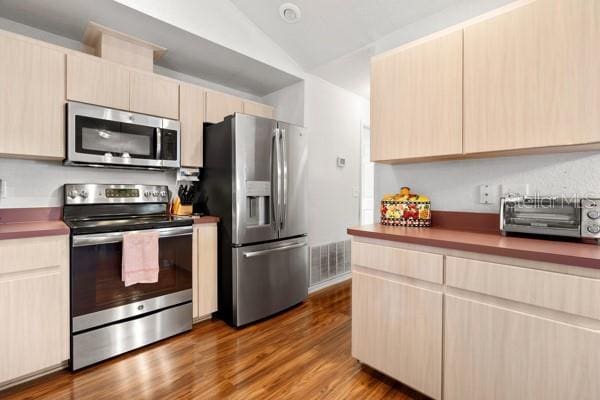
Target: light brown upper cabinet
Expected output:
[154,95]
[93,80]
[531,77]
[258,109]
[416,100]
[191,117]
[32,98]
[220,105]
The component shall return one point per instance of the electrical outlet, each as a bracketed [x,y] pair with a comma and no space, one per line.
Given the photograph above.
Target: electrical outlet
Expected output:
[515,188]
[3,188]
[488,194]
[355,191]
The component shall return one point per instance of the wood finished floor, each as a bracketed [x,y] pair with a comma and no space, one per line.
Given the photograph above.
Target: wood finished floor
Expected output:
[301,354]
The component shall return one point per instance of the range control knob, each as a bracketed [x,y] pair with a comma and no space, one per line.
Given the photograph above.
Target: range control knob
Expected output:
[147,194]
[593,214]
[154,194]
[593,228]
[163,193]
[83,194]
[72,193]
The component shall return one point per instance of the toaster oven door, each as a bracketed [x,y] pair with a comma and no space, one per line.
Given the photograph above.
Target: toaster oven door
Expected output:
[544,216]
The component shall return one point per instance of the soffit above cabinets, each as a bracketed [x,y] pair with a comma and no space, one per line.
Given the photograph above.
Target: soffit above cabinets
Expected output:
[187,53]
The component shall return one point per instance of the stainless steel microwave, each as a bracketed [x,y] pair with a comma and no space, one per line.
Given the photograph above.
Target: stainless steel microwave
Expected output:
[99,136]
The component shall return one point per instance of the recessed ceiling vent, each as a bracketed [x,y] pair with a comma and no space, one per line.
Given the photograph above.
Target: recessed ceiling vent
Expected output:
[290,13]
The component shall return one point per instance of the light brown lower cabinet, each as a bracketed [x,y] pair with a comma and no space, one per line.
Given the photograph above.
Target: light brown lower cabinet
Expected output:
[511,329]
[34,306]
[497,353]
[397,329]
[204,274]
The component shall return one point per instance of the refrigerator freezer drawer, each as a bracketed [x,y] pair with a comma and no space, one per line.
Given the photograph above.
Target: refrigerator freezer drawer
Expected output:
[269,278]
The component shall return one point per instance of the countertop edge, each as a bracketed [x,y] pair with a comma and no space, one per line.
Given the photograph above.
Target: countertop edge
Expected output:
[24,230]
[207,219]
[532,255]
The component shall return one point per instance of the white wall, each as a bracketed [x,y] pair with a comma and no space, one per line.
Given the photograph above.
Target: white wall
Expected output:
[333,118]
[39,183]
[288,103]
[454,185]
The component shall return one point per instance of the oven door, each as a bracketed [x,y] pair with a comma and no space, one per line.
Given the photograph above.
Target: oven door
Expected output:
[103,136]
[98,294]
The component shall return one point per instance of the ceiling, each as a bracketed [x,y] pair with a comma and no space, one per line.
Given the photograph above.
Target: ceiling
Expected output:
[187,53]
[330,29]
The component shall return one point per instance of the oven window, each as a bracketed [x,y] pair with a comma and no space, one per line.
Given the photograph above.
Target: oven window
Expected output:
[96,275]
[98,136]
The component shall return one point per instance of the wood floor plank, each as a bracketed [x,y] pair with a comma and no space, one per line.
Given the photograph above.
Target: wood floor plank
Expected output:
[302,354]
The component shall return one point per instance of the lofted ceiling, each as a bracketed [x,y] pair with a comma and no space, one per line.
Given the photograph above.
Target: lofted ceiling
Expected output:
[187,53]
[330,29]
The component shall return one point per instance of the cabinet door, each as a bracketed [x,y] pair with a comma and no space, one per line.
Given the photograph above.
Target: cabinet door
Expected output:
[154,95]
[191,117]
[32,98]
[397,329]
[95,81]
[220,105]
[205,270]
[416,101]
[259,110]
[531,77]
[34,305]
[496,353]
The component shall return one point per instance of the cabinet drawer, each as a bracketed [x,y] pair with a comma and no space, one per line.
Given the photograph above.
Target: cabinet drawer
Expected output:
[21,255]
[413,264]
[561,292]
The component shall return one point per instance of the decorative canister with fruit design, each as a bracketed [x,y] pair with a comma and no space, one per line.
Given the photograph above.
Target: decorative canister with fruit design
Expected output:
[406,209]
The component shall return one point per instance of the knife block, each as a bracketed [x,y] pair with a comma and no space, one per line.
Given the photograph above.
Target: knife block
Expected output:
[184,210]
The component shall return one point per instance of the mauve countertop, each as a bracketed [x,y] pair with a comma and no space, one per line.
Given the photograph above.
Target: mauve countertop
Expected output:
[206,219]
[17,223]
[559,252]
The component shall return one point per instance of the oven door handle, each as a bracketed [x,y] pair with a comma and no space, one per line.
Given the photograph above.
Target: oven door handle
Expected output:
[116,237]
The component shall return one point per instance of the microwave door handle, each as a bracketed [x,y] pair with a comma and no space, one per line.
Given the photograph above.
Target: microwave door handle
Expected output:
[285,178]
[158,144]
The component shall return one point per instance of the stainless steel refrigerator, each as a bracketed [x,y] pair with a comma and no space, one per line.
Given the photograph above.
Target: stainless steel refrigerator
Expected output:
[254,179]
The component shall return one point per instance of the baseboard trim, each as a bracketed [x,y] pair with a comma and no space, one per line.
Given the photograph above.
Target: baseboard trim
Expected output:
[202,318]
[330,282]
[33,375]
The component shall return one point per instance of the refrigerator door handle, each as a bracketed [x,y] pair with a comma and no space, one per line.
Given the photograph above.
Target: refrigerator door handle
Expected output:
[275,188]
[285,178]
[267,251]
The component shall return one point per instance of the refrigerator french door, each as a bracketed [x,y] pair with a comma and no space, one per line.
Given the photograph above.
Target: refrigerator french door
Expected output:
[254,178]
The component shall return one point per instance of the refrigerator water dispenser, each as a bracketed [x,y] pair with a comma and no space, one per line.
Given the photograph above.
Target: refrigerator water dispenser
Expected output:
[258,198]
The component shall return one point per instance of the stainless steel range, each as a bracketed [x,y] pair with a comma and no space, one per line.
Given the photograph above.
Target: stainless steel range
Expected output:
[108,318]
